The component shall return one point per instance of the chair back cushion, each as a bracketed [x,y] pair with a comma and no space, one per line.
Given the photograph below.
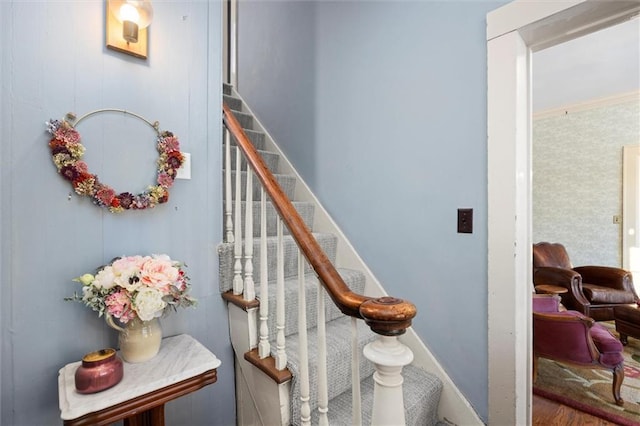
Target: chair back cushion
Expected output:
[550,254]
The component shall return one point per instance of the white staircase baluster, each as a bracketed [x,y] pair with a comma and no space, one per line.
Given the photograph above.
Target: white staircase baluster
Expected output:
[249,286]
[323,392]
[281,355]
[228,205]
[264,348]
[303,348]
[237,252]
[388,356]
[356,399]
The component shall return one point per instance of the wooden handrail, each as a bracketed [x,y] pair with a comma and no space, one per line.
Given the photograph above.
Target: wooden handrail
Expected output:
[387,316]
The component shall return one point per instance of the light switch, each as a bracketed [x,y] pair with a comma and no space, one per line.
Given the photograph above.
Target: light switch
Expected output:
[184,172]
[465,221]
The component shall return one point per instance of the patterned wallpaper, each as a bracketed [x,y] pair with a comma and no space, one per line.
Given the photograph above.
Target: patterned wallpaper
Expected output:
[577,180]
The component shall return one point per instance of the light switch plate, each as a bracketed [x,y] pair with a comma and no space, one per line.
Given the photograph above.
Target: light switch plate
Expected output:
[465,221]
[184,172]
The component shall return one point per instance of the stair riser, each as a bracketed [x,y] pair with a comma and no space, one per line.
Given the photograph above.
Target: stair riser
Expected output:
[354,279]
[304,209]
[226,256]
[233,103]
[245,120]
[287,183]
[270,159]
[256,138]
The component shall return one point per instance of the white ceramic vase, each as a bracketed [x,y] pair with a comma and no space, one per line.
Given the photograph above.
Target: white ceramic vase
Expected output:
[139,340]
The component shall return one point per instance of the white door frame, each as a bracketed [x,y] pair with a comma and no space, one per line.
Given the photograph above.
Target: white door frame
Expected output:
[631,210]
[514,31]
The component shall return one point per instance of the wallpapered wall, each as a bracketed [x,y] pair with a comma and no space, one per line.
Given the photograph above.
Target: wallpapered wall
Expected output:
[577,179]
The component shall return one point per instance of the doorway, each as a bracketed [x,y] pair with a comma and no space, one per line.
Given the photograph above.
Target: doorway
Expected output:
[631,212]
[514,31]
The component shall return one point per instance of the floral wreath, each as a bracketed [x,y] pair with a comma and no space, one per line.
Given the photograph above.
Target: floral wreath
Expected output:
[67,152]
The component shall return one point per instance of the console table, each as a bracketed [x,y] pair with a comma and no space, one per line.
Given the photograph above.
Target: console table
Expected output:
[182,366]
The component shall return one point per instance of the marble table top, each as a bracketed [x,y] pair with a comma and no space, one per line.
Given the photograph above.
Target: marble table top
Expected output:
[180,357]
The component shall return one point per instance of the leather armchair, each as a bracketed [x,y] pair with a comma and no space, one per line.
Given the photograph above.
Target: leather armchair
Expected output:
[592,290]
[572,338]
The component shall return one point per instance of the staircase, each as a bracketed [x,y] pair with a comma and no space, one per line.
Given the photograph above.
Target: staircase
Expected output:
[269,395]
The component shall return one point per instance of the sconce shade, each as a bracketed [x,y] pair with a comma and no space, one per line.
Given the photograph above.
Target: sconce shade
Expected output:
[139,12]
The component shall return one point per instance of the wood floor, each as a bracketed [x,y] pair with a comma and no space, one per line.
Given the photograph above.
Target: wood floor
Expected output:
[550,413]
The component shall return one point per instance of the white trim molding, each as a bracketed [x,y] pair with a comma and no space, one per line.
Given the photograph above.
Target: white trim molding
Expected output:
[620,98]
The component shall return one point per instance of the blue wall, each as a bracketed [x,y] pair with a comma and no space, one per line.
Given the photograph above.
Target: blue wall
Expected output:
[54,61]
[398,143]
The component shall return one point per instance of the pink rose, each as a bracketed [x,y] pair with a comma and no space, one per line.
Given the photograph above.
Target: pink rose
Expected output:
[159,273]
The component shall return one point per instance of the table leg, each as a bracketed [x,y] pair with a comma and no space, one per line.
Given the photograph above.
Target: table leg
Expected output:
[151,417]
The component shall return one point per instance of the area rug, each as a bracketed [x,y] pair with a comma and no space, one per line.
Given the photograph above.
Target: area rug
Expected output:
[589,390]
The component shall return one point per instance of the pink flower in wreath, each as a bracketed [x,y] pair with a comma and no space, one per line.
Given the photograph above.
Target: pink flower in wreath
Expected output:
[82,167]
[159,272]
[105,195]
[165,180]
[170,143]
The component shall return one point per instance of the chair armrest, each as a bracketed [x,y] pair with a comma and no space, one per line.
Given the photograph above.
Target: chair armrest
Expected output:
[567,278]
[607,276]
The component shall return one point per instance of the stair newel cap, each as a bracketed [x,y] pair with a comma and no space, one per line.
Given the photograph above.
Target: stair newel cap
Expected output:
[388,316]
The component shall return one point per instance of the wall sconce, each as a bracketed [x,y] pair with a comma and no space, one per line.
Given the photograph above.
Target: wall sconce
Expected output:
[126,26]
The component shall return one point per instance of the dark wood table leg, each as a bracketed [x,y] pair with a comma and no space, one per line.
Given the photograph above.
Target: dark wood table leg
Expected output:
[151,417]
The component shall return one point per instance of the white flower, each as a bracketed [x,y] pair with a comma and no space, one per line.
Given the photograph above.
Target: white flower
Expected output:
[105,279]
[148,303]
[87,294]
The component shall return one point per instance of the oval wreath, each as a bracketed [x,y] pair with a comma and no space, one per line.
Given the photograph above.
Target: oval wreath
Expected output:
[67,152]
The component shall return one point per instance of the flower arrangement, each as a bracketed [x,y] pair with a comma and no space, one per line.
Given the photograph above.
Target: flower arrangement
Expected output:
[67,153]
[132,287]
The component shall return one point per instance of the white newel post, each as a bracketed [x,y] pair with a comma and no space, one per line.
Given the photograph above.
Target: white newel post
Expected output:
[389,356]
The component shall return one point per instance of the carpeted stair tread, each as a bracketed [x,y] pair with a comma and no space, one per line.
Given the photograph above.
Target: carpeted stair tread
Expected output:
[244,118]
[227,89]
[354,279]
[256,137]
[286,182]
[421,393]
[270,158]
[338,360]
[305,210]
[232,102]
[328,243]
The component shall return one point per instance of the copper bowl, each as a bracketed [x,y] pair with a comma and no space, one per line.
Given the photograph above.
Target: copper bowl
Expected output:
[100,370]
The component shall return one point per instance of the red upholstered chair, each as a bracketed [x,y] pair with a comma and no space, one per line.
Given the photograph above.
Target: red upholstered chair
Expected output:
[592,290]
[572,338]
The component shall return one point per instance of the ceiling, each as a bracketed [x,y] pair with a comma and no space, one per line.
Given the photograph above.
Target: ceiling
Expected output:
[598,65]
